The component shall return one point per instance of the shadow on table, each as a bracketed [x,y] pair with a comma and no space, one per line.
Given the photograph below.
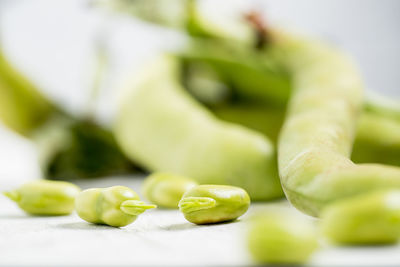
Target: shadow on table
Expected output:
[85,226]
[189,225]
[179,227]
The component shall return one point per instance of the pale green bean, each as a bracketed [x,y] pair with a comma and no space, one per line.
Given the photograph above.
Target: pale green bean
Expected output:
[42,197]
[205,204]
[166,189]
[115,206]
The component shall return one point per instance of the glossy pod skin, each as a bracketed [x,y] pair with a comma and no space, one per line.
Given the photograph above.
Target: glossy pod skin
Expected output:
[316,140]
[42,197]
[240,66]
[279,238]
[166,189]
[377,136]
[115,206]
[163,128]
[242,72]
[367,219]
[378,139]
[205,204]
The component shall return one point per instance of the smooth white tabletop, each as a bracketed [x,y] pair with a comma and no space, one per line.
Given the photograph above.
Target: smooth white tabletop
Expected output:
[157,237]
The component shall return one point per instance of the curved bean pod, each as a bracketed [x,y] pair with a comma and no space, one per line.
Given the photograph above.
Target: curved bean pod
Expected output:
[255,75]
[260,95]
[316,139]
[163,128]
[377,136]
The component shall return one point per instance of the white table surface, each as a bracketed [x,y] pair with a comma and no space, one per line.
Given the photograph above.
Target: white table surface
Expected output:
[51,42]
[157,238]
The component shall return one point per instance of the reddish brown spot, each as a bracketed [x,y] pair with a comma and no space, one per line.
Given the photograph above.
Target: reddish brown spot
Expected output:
[258,24]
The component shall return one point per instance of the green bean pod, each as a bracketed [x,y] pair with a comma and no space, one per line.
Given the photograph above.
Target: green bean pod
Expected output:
[281,238]
[115,206]
[206,204]
[377,136]
[162,127]
[367,219]
[317,137]
[22,107]
[251,74]
[42,197]
[378,139]
[166,189]
[256,91]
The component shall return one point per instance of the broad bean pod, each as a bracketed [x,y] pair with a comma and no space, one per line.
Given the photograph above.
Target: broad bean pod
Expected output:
[316,139]
[243,63]
[162,127]
[259,88]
